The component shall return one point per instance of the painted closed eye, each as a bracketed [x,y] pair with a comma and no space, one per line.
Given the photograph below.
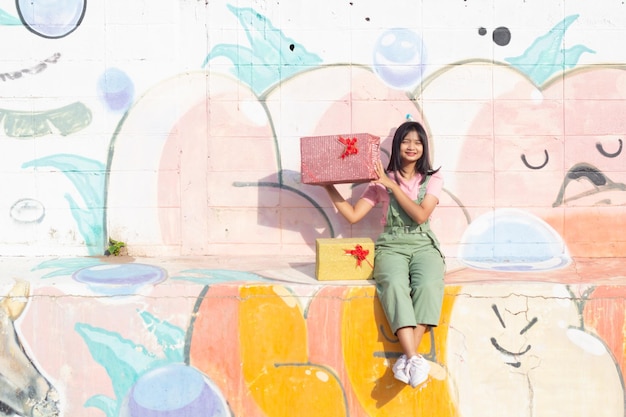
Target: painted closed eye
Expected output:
[601,149]
[536,165]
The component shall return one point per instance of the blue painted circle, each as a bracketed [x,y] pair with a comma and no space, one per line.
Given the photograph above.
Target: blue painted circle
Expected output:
[116,89]
[512,239]
[116,274]
[174,390]
[168,388]
[399,57]
[51,18]
[120,279]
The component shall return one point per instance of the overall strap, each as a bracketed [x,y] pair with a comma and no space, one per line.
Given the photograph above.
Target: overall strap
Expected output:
[422,193]
[396,217]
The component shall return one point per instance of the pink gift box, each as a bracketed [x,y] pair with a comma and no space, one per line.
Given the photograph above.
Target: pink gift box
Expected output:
[336,159]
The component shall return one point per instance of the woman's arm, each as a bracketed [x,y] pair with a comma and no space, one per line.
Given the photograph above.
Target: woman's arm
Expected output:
[351,214]
[418,212]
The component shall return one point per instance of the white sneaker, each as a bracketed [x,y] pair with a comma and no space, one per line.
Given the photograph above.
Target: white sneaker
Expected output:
[399,369]
[417,370]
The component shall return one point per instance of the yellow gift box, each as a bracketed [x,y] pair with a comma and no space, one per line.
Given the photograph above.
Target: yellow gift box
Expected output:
[338,259]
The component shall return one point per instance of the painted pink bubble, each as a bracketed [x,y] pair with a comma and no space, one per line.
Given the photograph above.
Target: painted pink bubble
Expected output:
[328,101]
[351,111]
[220,140]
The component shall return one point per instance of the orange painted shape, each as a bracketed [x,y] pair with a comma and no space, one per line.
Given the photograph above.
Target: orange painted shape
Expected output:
[254,341]
[214,346]
[605,312]
[325,333]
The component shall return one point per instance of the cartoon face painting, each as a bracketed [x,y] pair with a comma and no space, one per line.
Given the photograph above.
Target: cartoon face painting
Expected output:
[528,354]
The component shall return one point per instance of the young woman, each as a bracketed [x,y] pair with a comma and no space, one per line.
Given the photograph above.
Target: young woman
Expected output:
[408,266]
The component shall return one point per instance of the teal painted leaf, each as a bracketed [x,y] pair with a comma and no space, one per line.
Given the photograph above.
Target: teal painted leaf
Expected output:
[104,403]
[271,56]
[123,360]
[546,55]
[66,266]
[8,20]
[171,338]
[88,176]
[215,276]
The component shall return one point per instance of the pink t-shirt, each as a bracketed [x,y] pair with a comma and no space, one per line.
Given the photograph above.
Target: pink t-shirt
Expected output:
[377,193]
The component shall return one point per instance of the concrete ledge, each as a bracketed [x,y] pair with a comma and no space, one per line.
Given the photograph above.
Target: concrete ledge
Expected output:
[261,337]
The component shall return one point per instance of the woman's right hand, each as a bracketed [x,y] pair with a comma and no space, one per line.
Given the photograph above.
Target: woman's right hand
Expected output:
[383,179]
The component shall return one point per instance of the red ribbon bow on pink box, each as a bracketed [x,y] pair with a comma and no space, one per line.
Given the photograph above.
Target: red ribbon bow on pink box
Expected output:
[351,148]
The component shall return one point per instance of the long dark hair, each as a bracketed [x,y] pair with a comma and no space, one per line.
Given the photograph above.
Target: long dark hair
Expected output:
[422,166]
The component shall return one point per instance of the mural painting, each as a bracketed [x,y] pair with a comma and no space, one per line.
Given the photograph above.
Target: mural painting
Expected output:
[175,130]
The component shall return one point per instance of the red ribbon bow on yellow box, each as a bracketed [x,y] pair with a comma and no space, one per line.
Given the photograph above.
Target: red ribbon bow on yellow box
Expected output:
[360,254]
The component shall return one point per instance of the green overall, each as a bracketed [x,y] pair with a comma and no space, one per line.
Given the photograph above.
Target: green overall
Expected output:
[409,269]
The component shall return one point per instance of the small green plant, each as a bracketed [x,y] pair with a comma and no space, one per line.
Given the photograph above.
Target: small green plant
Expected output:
[115,246]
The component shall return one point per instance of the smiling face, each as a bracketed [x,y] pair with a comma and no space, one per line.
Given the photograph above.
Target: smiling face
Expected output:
[411,148]
[515,356]
[528,343]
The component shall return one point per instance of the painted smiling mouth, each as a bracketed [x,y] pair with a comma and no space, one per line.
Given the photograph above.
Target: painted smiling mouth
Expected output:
[508,354]
[597,180]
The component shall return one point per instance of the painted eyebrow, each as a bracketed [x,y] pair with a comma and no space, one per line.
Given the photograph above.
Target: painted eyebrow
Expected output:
[495,310]
[529,325]
[524,330]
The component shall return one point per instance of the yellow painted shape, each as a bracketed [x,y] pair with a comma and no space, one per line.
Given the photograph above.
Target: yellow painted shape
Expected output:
[17,298]
[303,390]
[274,357]
[332,263]
[271,329]
[367,342]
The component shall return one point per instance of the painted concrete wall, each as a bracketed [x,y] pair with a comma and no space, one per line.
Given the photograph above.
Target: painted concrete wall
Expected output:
[174,127]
